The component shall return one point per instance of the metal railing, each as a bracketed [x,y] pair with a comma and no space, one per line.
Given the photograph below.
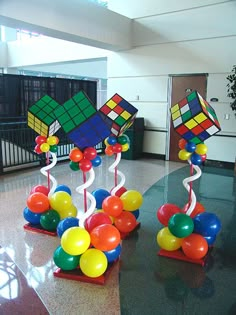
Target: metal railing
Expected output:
[17,147]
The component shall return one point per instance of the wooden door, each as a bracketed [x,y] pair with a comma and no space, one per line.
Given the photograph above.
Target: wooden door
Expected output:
[182,86]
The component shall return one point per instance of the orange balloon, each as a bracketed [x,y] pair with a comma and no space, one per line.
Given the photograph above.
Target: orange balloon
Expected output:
[125,222]
[112,205]
[105,237]
[182,143]
[195,246]
[38,202]
[109,150]
[199,208]
[76,155]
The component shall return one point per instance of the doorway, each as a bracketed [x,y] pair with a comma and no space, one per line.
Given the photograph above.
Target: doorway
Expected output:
[180,87]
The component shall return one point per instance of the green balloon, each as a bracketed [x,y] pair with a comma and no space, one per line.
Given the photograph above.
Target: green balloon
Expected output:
[49,220]
[65,261]
[53,148]
[74,166]
[122,140]
[176,289]
[181,225]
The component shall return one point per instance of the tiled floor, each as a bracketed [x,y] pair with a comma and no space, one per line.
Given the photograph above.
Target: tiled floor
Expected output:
[145,282]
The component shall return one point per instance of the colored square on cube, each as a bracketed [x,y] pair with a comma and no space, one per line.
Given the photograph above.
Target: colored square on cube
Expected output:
[41,117]
[118,114]
[194,119]
[81,121]
[75,112]
[90,132]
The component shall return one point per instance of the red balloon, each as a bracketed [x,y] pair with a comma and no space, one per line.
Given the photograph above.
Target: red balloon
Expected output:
[40,188]
[76,155]
[40,140]
[38,202]
[37,149]
[199,208]
[97,219]
[195,246]
[117,148]
[90,153]
[125,222]
[203,157]
[182,143]
[105,237]
[166,211]
[85,165]
[112,205]
[120,191]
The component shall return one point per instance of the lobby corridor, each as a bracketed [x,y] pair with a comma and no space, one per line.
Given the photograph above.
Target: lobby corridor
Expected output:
[142,282]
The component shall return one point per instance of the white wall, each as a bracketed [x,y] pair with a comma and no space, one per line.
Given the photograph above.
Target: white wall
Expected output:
[95,68]
[192,38]
[3,55]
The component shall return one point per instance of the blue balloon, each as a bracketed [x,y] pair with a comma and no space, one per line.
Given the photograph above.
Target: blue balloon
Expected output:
[65,224]
[206,224]
[196,159]
[100,195]
[96,161]
[206,291]
[135,213]
[111,140]
[113,254]
[63,188]
[31,217]
[190,146]
[210,239]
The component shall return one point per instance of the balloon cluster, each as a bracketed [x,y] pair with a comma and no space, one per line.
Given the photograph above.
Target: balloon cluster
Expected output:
[193,234]
[94,246]
[44,144]
[47,211]
[85,160]
[196,153]
[116,144]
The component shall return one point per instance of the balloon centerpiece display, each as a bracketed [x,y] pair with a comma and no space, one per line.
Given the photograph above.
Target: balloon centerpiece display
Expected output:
[91,243]
[190,232]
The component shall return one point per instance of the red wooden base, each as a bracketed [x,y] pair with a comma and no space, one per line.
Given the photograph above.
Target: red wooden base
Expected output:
[77,275]
[179,255]
[38,229]
[124,235]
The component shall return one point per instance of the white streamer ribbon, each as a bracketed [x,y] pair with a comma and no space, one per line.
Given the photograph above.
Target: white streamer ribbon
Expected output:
[80,189]
[44,170]
[112,170]
[187,187]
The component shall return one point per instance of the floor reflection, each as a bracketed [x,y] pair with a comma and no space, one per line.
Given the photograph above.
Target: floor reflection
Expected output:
[16,297]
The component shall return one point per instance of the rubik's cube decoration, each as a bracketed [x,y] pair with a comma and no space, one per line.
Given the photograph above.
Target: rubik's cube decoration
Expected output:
[81,121]
[41,117]
[194,119]
[118,114]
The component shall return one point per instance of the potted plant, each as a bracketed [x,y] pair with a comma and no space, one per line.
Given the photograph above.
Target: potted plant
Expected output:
[231,87]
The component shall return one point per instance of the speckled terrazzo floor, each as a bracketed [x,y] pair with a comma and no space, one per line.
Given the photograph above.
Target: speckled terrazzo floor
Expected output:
[145,282]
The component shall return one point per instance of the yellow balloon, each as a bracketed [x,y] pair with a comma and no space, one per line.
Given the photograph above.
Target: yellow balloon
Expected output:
[132,200]
[75,241]
[44,147]
[65,213]
[184,155]
[60,201]
[52,140]
[167,240]
[125,147]
[93,263]
[105,142]
[201,149]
